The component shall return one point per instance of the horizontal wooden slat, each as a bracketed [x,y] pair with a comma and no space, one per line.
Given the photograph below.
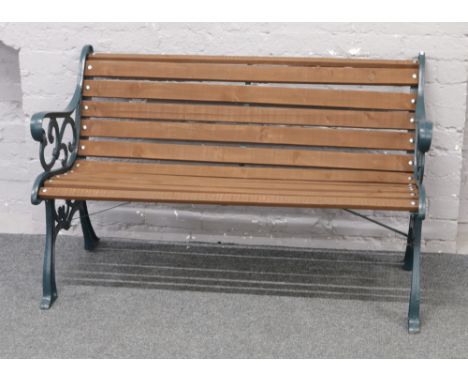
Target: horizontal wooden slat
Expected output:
[248,134]
[250,94]
[223,154]
[244,172]
[300,61]
[112,179]
[126,185]
[278,115]
[228,198]
[251,73]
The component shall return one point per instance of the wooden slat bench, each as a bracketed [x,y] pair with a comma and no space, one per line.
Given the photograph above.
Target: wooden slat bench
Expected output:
[263,131]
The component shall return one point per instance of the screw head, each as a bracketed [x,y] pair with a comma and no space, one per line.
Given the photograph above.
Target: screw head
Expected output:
[88,87]
[413,203]
[85,127]
[411,120]
[90,67]
[415,75]
[411,140]
[82,148]
[44,190]
[413,101]
[410,162]
[410,177]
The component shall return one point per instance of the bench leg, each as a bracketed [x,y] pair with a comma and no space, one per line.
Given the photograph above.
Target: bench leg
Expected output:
[49,287]
[90,238]
[414,323]
[408,261]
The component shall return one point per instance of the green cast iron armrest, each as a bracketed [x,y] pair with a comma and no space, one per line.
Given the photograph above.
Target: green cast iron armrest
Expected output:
[423,136]
[58,123]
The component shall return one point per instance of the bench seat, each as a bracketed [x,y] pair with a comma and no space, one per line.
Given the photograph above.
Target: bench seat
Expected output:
[240,185]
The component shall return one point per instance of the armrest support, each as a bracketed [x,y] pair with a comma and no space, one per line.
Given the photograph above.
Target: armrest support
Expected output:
[58,123]
[423,136]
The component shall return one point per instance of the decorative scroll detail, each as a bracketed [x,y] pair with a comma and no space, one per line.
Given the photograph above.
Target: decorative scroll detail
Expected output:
[63,215]
[55,135]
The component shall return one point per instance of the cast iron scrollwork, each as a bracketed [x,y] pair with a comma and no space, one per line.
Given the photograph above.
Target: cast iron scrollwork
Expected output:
[58,124]
[55,135]
[63,215]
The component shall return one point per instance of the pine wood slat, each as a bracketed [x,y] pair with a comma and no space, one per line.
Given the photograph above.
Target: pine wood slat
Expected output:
[229,199]
[125,185]
[251,73]
[209,132]
[111,179]
[224,154]
[253,94]
[279,115]
[245,172]
[299,61]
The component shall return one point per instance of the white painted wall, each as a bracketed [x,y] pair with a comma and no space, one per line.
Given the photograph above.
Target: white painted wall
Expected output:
[44,77]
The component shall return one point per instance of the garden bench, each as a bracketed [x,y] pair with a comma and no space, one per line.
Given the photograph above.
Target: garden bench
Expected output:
[260,131]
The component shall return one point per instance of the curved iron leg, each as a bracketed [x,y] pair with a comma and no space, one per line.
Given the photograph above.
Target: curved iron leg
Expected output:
[414,323]
[408,261]
[49,287]
[90,237]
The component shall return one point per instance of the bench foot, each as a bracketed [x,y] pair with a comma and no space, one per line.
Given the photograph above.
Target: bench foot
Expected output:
[55,221]
[414,323]
[49,286]
[90,238]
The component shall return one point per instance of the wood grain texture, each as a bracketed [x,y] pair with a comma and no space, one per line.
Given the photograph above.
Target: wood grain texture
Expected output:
[253,60]
[248,134]
[357,99]
[251,73]
[244,172]
[228,198]
[112,180]
[274,115]
[224,154]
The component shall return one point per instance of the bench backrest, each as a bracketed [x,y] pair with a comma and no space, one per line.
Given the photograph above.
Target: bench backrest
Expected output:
[353,116]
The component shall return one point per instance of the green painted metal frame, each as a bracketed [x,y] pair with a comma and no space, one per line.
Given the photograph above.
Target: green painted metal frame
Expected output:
[57,219]
[65,155]
[412,260]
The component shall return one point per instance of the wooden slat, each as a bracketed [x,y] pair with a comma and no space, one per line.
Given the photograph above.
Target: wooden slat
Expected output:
[126,185]
[244,172]
[250,94]
[248,134]
[112,179]
[298,61]
[278,115]
[223,154]
[251,73]
[228,199]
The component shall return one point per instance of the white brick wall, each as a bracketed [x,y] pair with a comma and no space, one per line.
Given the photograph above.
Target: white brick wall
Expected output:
[48,61]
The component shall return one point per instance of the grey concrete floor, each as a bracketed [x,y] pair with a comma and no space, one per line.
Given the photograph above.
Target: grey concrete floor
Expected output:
[161,300]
